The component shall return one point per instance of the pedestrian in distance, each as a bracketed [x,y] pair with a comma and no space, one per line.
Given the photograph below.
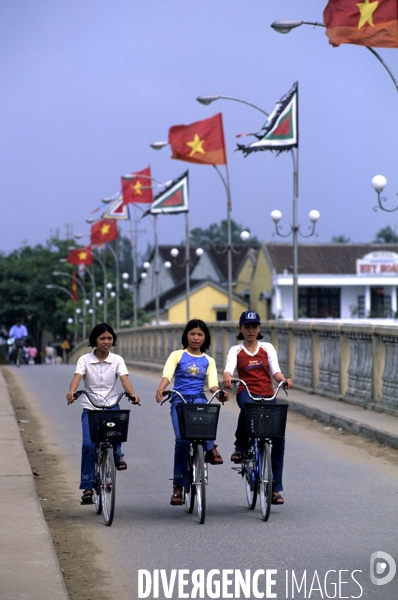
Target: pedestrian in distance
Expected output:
[99,370]
[256,363]
[190,367]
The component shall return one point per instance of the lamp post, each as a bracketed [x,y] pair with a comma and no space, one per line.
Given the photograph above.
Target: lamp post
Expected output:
[379,182]
[276,216]
[174,252]
[286,25]
[208,99]
[63,274]
[60,287]
[226,183]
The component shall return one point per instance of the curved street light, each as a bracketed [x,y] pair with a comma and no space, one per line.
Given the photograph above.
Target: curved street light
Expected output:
[51,286]
[379,182]
[63,274]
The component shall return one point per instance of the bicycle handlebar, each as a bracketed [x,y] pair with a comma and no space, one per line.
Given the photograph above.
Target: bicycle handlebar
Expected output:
[119,397]
[169,393]
[282,384]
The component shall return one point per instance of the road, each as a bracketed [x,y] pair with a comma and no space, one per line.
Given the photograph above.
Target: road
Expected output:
[340,506]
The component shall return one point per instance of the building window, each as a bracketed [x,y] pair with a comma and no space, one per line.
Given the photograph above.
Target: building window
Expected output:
[319,302]
[361,307]
[221,315]
[380,303]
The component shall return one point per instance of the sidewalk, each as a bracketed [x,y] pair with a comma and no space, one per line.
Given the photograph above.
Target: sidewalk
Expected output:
[29,567]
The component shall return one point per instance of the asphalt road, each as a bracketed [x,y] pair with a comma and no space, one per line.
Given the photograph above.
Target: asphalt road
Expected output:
[340,506]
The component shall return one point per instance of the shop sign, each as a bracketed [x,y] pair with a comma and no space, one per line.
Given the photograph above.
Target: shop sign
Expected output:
[378,263]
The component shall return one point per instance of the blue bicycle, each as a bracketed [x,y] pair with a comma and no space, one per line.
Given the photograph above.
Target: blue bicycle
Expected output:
[263,422]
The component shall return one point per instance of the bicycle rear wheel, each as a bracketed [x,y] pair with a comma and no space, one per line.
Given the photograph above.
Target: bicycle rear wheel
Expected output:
[251,484]
[200,483]
[266,480]
[108,488]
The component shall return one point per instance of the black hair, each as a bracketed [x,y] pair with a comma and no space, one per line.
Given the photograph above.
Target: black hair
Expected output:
[192,324]
[240,335]
[99,330]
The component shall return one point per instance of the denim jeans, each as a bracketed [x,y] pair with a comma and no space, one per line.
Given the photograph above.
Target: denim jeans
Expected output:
[181,473]
[88,453]
[278,444]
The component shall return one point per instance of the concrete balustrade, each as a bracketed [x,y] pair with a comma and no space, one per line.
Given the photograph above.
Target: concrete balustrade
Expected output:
[352,363]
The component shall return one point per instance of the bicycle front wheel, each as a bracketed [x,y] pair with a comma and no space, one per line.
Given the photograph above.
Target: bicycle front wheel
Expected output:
[97,486]
[200,483]
[18,357]
[251,484]
[190,491]
[265,481]
[108,485]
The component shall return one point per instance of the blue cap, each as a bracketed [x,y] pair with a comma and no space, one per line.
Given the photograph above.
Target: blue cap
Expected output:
[249,316]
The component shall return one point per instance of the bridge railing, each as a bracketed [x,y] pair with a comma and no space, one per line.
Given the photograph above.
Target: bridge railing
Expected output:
[353,363]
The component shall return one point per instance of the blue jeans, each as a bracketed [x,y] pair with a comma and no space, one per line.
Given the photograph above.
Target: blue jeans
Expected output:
[88,454]
[278,444]
[181,473]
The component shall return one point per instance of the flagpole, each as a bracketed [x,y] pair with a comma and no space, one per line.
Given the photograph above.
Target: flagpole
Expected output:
[187,265]
[133,236]
[295,235]
[229,236]
[156,269]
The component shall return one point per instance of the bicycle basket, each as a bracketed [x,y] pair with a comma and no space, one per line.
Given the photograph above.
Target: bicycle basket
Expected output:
[108,425]
[198,421]
[266,420]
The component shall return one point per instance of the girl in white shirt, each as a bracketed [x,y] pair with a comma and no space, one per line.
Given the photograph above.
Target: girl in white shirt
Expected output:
[99,370]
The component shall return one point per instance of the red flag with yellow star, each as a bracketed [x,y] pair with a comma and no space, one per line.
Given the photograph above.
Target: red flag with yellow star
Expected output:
[103,231]
[363,22]
[201,142]
[137,187]
[81,256]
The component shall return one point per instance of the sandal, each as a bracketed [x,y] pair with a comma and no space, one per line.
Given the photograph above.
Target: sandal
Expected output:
[237,456]
[277,498]
[87,497]
[121,465]
[176,497]
[213,457]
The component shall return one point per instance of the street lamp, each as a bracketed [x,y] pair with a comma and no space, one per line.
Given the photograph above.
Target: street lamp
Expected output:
[286,25]
[276,216]
[174,252]
[208,99]
[379,182]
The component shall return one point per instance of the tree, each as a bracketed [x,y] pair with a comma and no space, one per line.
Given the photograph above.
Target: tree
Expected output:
[217,233]
[386,235]
[340,239]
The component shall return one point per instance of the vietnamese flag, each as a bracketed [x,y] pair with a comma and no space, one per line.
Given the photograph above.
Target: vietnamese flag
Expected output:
[366,23]
[139,188]
[201,142]
[81,256]
[103,231]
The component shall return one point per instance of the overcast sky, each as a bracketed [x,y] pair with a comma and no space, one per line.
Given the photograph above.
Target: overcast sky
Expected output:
[87,86]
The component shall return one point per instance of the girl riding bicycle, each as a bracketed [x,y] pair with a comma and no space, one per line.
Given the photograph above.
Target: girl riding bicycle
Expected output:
[255,362]
[190,367]
[99,370]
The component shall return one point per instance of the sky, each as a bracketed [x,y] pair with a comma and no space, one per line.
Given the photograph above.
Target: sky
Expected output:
[87,86]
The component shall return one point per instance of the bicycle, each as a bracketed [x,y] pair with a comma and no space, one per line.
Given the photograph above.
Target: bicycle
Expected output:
[197,423]
[263,422]
[107,426]
[19,344]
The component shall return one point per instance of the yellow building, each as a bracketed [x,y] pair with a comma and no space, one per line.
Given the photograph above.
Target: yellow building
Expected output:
[208,301]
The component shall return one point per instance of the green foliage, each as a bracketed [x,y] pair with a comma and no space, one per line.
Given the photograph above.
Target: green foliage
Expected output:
[217,233]
[386,235]
[341,239]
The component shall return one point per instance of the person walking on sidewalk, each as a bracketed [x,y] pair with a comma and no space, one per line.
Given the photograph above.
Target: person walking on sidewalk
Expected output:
[255,363]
